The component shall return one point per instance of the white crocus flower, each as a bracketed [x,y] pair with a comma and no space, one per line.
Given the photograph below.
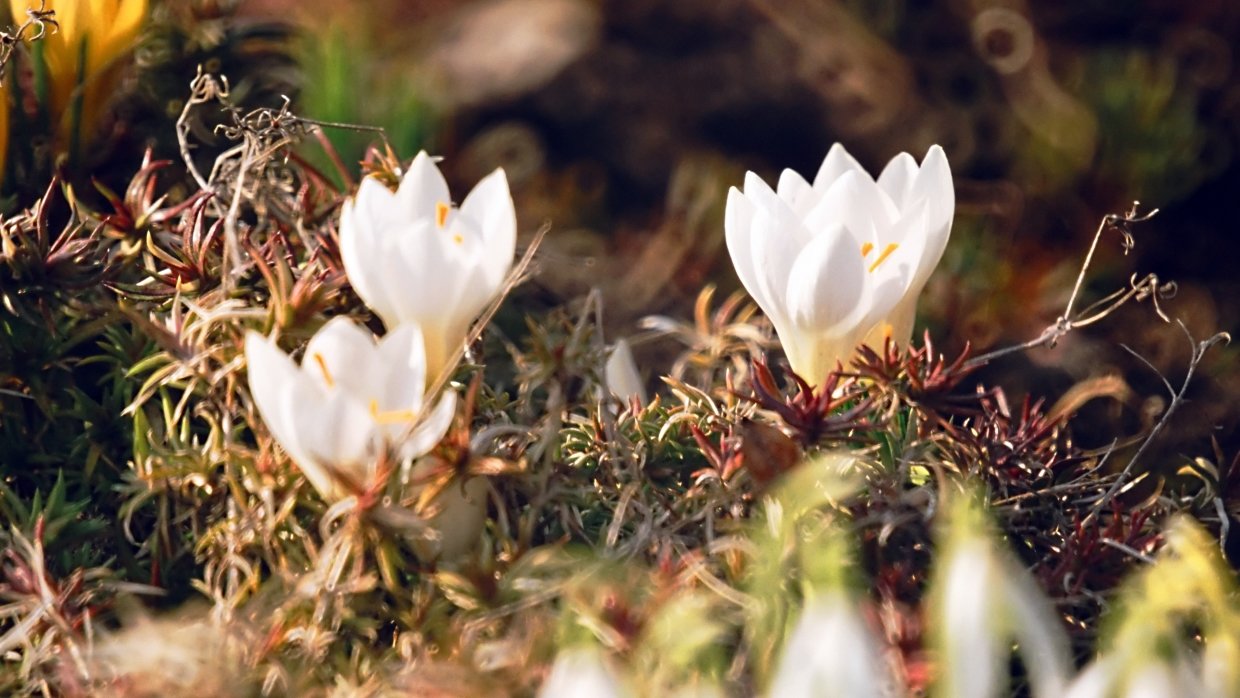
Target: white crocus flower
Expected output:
[351,400]
[415,258]
[620,373]
[578,673]
[832,653]
[841,262]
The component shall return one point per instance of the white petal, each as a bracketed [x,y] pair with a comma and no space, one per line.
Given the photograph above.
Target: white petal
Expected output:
[898,324]
[341,356]
[423,189]
[934,186]
[776,240]
[766,200]
[972,626]
[826,285]
[855,202]
[798,194]
[894,282]
[620,374]
[340,438]
[1157,680]
[490,204]
[1097,680]
[831,653]
[909,232]
[423,276]
[363,262]
[476,284]
[837,162]
[431,429]
[1042,641]
[272,374]
[738,218]
[897,178]
[578,674]
[814,356]
[402,354]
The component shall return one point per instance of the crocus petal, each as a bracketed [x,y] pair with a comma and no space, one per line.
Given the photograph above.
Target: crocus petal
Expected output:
[339,356]
[377,206]
[1095,681]
[423,188]
[837,162]
[1041,640]
[898,324]
[827,284]
[490,204]
[934,186]
[430,431]
[897,178]
[857,203]
[797,192]
[340,440]
[364,258]
[461,517]
[738,218]
[776,239]
[402,354]
[423,274]
[271,373]
[1159,680]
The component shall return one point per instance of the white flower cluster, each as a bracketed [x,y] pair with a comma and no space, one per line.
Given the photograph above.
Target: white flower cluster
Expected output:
[834,264]
[427,269]
[985,608]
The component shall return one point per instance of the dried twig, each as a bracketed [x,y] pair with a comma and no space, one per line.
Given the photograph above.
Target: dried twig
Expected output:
[1177,398]
[1149,286]
[38,20]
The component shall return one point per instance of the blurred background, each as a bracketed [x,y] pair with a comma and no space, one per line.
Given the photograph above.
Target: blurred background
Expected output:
[622,123]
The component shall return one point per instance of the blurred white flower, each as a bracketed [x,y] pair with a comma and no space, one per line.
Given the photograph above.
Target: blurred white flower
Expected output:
[832,654]
[578,673]
[349,401]
[414,258]
[620,373]
[841,262]
[986,602]
[1105,677]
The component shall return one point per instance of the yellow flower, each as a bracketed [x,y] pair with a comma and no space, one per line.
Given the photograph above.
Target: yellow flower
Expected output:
[80,56]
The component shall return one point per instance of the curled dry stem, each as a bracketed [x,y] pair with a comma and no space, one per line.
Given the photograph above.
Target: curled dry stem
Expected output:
[1148,286]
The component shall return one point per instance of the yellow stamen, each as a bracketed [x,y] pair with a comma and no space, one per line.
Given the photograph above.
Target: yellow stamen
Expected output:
[395,417]
[458,239]
[327,375]
[441,213]
[866,248]
[885,254]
